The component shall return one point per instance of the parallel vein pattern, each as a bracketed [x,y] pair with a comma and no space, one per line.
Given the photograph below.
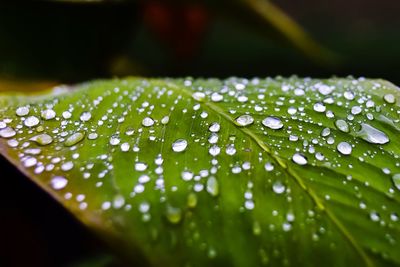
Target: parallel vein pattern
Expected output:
[239,172]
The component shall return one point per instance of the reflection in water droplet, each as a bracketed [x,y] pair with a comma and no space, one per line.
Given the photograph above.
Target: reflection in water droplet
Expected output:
[85,116]
[272,123]
[342,126]
[372,135]
[299,159]
[7,132]
[48,114]
[212,186]
[278,187]
[147,122]
[179,145]
[58,182]
[244,120]
[31,121]
[344,148]
[214,127]
[22,111]
[42,139]
[389,98]
[74,139]
[140,166]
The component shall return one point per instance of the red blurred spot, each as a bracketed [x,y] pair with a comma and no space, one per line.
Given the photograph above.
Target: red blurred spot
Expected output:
[181,27]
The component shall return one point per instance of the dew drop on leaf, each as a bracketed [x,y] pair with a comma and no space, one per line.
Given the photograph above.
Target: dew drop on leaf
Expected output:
[344,148]
[278,187]
[342,125]
[22,111]
[272,123]
[42,139]
[31,121]
[372,135]
[85,116]
[74,139]
[299,159]
[140,166]
[396,180]
[244,120]
[212,186]
[389,98]
[179,145]
[7,132]
[147,122]
[173,214]
[214,127]
[58,182]
[48,114]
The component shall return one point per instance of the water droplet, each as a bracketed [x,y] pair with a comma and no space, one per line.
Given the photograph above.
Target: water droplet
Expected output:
[7,132]
[119,201]
[199,96]
[319,107]
[344,148]
[165,120]
[147,122]
[278,187]
[396,180]
[325,132]
[244,120]
[140,166]
[374,216]
[48,114]
[216,97]
[269,166]
[324,89]
[230,150]
[125,147]
[372,135]
[389,98]
[342,126]
[85,116]
[74,139]
[272,123]
[22,111]
[187,175]
[299,159]
[67,166]
[212,186]
[42,139]
[58,182]
[214,127]
[31,121]
[173,214]
[214,150]
[114,140]
[179,145]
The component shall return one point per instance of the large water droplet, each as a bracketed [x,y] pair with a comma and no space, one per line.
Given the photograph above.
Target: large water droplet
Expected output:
[7,132]
[48,114]
[212,186]
[74,139]
[179,145]
[199,96]
[22,111]
[31,121]
[299,159]
[85,116]
[58,182]
[244,120]
[214,127]
[140,166]
[319,107]
[342,125]
[147,122]
[214,150]
[272,123]
[389,98]
[372,135]
[278,187]
[42,139]
[344,148]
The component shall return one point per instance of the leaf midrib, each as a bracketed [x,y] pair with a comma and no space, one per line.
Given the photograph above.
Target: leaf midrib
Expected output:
[289,171]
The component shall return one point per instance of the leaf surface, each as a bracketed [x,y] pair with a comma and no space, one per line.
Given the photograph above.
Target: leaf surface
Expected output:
[236,172]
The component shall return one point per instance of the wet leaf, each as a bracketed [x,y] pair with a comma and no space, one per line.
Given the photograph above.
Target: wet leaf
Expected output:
[220,173]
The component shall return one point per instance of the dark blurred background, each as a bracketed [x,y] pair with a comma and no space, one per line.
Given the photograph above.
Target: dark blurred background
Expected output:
[48,42]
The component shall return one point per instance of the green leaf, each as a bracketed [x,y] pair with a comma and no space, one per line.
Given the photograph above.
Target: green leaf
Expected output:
[220,173]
